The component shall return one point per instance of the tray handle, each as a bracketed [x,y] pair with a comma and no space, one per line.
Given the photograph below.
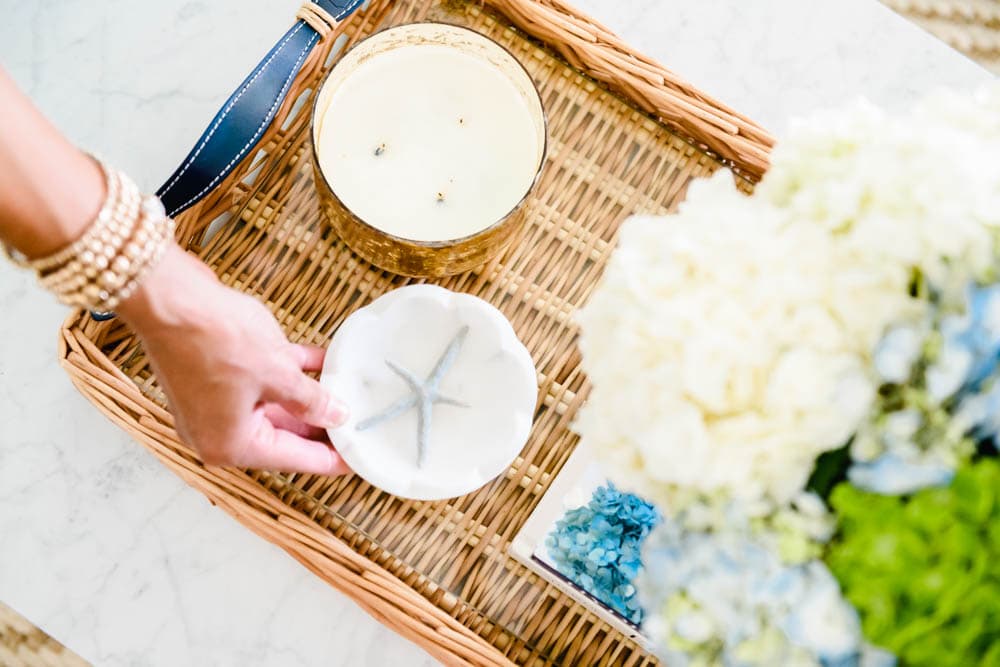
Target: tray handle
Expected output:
[242,120]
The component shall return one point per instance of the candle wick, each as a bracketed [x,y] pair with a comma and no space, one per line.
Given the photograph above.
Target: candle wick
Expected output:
[380,149]
[425,394]
[440,197]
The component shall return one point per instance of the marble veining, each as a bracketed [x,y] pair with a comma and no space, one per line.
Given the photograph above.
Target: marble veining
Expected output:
[106,549]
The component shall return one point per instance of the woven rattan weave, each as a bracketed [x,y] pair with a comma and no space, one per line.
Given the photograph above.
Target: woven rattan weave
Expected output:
[24,645]
[971,26]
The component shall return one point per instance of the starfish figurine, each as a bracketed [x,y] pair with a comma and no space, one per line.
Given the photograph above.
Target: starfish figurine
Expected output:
[424,396]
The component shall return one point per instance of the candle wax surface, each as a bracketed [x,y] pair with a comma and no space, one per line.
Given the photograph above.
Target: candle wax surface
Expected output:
[428,143]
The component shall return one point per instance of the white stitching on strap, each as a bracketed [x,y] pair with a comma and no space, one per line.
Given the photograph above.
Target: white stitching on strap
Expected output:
[263,124]
[349,7]
[225,112]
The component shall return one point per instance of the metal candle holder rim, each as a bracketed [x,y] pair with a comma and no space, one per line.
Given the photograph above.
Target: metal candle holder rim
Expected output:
[449,242]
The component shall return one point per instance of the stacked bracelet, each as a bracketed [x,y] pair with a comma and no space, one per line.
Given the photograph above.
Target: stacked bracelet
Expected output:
[123,243]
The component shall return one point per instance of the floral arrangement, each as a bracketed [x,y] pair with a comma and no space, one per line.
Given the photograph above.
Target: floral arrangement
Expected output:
[769,370]
[597,547]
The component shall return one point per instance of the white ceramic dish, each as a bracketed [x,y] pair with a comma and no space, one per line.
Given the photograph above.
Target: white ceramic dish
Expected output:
[489,383]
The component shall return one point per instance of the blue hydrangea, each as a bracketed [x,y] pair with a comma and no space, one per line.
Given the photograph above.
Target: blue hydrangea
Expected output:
[941,396]
[891,475]
[726,598]
[599,547]
[978,399]
[981,335]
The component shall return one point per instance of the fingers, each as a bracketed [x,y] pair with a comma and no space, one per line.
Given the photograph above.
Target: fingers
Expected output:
[310,357]
[306,400]
[284,420]
[273,448]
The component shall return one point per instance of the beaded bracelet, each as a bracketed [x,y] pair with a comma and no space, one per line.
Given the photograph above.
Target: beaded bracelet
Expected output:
[127,238]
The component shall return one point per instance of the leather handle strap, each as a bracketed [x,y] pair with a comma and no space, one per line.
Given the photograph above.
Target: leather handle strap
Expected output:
[241,122]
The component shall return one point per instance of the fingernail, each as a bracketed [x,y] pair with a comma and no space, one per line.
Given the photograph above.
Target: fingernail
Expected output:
[336,412]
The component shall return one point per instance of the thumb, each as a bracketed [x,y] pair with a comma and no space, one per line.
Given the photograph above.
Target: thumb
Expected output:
[307,400]
[272,448]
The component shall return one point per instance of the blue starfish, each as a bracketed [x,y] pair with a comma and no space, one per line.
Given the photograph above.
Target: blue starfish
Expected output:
[424,396]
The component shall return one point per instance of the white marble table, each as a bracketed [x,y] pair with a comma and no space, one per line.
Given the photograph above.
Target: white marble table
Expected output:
[109,552]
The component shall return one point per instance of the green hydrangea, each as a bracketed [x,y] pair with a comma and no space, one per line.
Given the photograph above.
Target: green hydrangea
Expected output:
[924,570]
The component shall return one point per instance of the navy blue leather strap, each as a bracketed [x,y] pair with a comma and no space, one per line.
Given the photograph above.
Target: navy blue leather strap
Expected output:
[241,122]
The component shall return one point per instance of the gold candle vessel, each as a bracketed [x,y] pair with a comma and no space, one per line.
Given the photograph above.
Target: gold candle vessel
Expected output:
[428,140]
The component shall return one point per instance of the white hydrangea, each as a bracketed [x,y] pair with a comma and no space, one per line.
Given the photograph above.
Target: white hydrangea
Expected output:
[921,190]
[731,343]
[718,350]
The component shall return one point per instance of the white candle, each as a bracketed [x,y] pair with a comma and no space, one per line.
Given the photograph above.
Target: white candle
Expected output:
[441,392]
[430,133]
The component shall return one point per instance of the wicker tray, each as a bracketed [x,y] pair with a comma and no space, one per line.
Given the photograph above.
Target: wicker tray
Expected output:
[439,573]
[24,645]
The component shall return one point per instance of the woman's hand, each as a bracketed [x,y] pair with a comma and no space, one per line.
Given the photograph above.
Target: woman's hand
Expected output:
[236,386]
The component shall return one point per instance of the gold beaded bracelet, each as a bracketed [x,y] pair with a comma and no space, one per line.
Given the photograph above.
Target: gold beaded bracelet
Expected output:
[127,238]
